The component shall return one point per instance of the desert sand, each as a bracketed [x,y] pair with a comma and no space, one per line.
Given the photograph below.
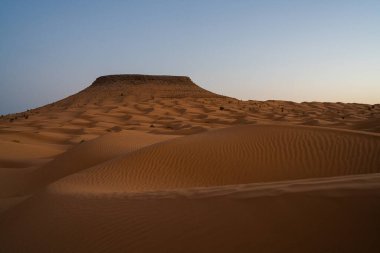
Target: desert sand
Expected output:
[139,163]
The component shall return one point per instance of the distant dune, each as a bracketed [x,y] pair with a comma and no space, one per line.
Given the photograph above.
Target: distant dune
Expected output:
[175,105]
[139,163]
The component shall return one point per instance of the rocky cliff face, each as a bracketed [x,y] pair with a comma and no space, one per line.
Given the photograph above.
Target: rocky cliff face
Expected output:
[147,86]
[141,79]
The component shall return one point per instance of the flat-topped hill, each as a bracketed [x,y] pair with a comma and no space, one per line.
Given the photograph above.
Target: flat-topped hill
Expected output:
[177,105]
[141,79]
[145,87]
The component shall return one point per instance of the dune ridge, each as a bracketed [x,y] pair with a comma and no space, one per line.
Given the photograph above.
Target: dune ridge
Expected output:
[80,157]
[237,155]
[300,216]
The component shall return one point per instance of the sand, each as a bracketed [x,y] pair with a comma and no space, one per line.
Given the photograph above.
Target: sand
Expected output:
[138,163]
[236,155]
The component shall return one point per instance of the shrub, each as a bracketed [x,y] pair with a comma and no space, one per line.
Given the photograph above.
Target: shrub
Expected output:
[221,108]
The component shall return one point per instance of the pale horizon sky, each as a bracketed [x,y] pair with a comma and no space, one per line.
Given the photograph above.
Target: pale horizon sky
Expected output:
[286,50]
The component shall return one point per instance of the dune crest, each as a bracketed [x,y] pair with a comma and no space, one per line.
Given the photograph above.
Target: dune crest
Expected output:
[236,155]
[80,157]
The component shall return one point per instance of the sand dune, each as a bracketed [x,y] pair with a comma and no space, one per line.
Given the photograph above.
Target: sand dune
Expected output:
[82,156]
[236,155]
[334,214]
[138,102]
[21,155]
[138,163]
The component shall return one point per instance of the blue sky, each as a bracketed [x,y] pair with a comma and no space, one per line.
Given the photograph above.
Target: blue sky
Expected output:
[288,50]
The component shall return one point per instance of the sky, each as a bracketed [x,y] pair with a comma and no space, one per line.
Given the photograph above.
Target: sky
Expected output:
[326,50]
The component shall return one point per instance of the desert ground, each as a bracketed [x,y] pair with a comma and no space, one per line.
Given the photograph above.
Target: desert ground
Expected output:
[141,163]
